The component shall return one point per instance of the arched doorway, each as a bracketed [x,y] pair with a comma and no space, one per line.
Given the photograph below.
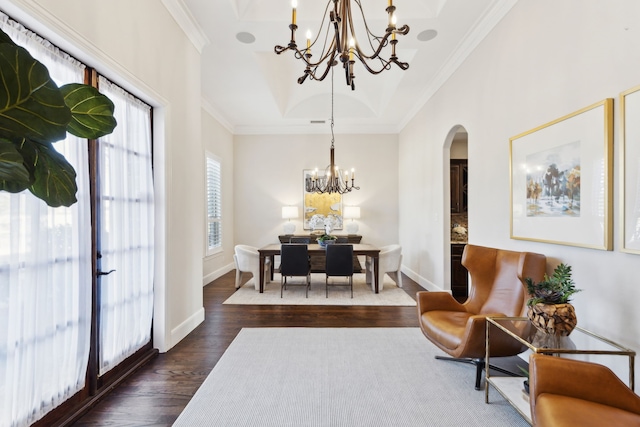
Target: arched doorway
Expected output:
[457,228]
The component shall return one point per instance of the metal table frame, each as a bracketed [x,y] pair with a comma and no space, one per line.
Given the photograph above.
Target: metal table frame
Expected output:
[547,344]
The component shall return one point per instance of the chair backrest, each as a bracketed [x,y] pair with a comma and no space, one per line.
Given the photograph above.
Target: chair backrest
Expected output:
[245,255]
[497,279]
[294,260]
[298,239]
[339,260]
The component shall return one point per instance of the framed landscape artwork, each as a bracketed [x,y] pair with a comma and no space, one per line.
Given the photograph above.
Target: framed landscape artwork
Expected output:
[630,170]
[327,205]
[561,180]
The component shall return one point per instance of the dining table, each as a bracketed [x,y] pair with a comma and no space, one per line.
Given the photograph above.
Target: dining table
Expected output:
[270,251]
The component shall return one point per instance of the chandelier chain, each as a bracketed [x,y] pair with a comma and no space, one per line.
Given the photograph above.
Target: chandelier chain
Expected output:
[332,135]
[334,180]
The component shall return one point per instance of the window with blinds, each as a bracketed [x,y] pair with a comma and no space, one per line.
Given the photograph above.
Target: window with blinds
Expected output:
[214,205]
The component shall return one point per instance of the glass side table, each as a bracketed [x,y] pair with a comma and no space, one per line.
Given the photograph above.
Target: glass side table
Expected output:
[580,341]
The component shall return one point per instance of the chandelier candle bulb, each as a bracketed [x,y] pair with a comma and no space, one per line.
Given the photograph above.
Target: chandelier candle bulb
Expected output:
[308,39]
[352,43]
[294,5]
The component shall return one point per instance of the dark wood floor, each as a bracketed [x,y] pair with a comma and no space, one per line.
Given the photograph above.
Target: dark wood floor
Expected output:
[157,393]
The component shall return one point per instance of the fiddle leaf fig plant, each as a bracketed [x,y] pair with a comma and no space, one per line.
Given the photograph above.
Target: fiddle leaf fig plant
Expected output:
[34,114]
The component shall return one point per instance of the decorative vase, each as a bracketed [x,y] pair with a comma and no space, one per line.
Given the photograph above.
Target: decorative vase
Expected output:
[553,319]
[324,243]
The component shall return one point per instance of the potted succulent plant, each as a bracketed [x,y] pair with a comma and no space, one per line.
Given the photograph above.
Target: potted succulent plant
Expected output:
[549,307]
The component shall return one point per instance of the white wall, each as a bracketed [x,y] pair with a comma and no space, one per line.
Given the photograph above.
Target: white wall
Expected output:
[544,60]
[138,45]
[268,175]
[219,141]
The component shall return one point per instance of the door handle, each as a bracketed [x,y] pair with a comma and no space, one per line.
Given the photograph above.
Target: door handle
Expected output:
[104,273]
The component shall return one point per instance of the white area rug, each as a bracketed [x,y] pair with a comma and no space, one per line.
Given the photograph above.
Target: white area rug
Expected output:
[341,377]
[338,295]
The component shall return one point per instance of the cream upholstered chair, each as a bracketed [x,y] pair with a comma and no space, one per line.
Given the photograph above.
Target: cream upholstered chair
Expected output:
[390,262]
[247,259]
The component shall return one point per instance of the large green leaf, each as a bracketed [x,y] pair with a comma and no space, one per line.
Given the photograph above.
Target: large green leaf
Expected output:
[14,176]
[91,111]
[31,105]
[4,38]
[55,178]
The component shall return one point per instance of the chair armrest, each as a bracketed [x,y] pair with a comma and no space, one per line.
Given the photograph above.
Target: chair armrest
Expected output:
[430,301]
[582,380]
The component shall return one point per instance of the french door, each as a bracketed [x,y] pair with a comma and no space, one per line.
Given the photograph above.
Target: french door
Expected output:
[76,283]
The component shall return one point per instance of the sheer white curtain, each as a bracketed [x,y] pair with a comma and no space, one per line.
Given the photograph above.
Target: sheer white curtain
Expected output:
[45,276]
[126,224]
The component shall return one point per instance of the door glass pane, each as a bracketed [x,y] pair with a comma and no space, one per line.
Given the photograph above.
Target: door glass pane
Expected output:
[126,225]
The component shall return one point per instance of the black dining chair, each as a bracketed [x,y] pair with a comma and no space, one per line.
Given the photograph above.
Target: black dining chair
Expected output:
[339,263]
[294,261]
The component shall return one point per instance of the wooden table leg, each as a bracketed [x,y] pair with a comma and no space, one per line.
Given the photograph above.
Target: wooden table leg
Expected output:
[376,277]
[273,259]
[262,258]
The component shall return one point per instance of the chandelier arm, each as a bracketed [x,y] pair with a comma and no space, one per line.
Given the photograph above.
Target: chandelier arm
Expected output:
[341,16]
[312,74]
[385,66]
[368,31]
[324,18]
[384,42]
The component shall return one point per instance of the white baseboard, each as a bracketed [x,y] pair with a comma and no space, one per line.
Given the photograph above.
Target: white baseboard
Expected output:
[216,274]
[426,284]
[185,328]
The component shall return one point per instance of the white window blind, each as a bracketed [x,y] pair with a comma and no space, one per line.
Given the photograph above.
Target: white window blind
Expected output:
[214,204]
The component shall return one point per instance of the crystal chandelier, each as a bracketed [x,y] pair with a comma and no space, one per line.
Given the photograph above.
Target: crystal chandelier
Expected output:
[344,44]
[334,179]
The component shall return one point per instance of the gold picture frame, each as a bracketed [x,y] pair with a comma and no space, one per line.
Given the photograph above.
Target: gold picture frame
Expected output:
[320,204]
[561,180]
[630,170]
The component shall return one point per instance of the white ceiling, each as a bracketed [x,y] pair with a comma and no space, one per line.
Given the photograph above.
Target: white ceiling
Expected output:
[252,90]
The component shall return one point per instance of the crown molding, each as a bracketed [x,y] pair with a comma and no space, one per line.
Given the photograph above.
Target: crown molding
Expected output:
[40,20]
[474,36]
[185,20]
[215,113]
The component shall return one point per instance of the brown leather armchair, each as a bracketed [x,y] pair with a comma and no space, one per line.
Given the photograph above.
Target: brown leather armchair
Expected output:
[496,289]
[568,393]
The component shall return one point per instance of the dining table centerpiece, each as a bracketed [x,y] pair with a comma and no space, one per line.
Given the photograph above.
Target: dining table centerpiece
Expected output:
[326,223]
[326,239]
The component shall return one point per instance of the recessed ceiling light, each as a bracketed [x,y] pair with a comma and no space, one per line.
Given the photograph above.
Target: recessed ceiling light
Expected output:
[427,35]
[245,37]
